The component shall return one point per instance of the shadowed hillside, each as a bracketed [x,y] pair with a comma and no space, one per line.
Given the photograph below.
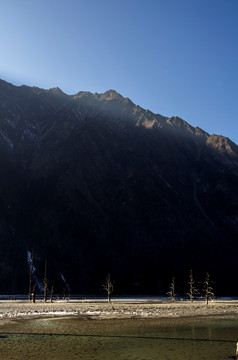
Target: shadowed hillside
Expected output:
[95,184]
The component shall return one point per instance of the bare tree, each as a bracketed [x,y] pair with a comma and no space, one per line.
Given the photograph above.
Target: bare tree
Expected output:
[45,282]
[108,287]
[171,292]
[34,294]
[30,279]
[192,289]
[208,289]
[51,293]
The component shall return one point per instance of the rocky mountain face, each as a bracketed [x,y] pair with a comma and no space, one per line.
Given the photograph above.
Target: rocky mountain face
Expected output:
[97,185]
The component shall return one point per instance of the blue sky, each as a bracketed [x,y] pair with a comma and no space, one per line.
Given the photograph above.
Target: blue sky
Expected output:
[174,57]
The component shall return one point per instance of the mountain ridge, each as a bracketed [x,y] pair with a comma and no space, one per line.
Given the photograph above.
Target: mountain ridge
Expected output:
[113,95]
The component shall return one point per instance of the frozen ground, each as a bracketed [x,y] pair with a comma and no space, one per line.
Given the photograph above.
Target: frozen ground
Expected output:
[118,308]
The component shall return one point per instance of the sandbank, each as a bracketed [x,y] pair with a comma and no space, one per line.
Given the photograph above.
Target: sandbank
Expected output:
[118,308]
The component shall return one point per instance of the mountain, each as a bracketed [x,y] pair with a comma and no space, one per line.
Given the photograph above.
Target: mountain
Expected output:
[96,185]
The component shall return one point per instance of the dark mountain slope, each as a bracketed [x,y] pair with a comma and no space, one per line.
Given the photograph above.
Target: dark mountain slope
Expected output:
[96,184]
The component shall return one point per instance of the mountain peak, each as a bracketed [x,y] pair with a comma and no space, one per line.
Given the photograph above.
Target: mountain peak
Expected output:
[57,91]
[111,95]
[223,145]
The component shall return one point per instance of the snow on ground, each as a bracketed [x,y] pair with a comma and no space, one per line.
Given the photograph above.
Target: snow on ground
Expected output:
[117,308]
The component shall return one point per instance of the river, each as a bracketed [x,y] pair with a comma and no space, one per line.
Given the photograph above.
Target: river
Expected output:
[69,338]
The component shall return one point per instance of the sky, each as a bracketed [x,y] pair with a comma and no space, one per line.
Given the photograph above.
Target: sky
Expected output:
[173,57]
